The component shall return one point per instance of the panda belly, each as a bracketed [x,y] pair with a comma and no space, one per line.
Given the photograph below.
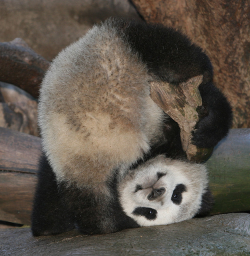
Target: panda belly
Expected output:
[97,115]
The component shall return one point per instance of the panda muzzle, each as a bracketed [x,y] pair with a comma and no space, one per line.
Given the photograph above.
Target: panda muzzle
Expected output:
[156,193]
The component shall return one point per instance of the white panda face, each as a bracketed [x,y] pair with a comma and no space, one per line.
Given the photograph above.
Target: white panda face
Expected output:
[163,191]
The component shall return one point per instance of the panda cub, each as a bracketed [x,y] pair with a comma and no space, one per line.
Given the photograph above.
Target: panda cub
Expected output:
[99,124]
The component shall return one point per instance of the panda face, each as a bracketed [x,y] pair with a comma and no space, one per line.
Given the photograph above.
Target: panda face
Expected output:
[163,191]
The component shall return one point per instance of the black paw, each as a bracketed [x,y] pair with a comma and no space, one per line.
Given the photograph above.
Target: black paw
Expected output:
[210,130]
[42,229]
[215,117]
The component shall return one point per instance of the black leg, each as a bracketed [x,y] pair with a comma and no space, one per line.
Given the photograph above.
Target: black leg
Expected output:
[95,212]
[216,120]
[92,213]
[49,215]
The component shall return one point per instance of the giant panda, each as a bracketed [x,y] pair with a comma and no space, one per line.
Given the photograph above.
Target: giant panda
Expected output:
[103,135]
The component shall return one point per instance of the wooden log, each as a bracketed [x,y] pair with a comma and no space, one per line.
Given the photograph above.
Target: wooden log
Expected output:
[19,152]
[181,104]
[19,187]
[229,171]
[18,109]
[21,66]
[19,155]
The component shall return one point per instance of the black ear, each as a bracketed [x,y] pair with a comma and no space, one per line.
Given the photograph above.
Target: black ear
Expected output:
[206,204]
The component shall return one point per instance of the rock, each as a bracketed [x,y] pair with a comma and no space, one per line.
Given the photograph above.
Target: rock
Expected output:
[49,26]
[227,234]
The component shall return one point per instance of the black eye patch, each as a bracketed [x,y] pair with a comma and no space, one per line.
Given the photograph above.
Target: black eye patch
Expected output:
[148,213]
[177,194]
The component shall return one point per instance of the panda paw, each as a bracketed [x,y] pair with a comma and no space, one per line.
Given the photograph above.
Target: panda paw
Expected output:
[215,117]
[211,128]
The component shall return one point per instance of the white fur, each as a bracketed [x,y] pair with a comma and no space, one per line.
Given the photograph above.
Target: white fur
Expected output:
[95,110]
[193,176]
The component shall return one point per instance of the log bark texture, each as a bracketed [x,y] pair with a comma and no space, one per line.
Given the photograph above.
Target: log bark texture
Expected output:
[19,152]
[222,29]
[21,66]
[18,110]
[19,155]
[181,104]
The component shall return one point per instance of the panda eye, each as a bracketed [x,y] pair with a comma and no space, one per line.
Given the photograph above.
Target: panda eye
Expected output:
[177,194]
[151,212]
[137,188]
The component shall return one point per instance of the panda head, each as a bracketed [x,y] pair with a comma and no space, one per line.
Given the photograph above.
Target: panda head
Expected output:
[164,191]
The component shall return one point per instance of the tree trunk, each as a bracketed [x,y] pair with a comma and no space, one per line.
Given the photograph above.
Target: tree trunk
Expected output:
[222,29]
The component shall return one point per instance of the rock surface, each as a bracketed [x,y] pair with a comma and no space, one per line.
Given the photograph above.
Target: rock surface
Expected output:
[49,26]
[227,234]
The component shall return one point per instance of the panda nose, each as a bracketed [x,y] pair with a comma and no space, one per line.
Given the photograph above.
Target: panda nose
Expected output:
[157,192]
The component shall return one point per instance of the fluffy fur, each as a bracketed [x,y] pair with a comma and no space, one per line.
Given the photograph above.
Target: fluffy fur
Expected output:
[98,121]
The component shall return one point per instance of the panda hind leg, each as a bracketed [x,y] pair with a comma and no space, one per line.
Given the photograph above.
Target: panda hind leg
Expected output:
[96,212]
[49,215]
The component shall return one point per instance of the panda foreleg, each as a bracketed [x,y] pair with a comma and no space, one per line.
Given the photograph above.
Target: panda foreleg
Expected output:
[215,117]
[96,219]
[93,213]
[96,212]
[100,219]
[49,215]
[89,209]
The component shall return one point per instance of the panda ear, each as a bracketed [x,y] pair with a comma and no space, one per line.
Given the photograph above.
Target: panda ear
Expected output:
[206,204]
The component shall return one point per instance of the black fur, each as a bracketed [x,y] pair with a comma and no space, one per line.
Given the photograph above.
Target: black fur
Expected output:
[177,194]
[62,207]
[148,213]
[169,56]
[49,216]
[206,204]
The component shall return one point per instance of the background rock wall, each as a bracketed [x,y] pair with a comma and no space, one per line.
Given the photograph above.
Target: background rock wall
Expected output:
[48,26]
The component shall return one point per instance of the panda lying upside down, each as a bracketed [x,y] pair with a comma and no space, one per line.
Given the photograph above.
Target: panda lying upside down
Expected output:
[112,158]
